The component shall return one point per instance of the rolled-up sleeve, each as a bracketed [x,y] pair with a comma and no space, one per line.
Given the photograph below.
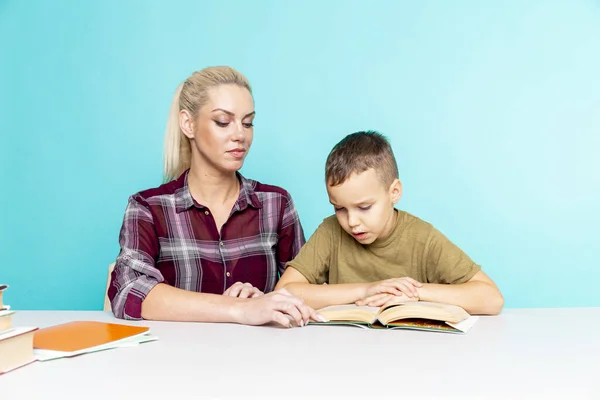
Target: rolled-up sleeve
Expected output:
[291,235]
[135,273]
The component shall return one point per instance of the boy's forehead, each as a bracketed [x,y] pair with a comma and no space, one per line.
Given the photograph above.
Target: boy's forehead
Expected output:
[357,187]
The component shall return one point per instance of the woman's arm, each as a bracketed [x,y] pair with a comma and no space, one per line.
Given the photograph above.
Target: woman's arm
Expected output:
[167,303]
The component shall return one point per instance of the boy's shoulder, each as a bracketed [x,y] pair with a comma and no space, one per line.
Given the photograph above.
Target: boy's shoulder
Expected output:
[331,222]
[329,227]
[413,229]
[408,220]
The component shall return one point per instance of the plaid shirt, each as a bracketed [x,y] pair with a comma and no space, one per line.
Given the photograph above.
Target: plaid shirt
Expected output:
[167,237]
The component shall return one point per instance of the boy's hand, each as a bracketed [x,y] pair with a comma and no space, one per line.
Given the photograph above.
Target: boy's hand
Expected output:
[242,290]
[384,300]
[395,286]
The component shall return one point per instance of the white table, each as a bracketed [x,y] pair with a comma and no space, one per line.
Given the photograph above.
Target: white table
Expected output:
[523,353]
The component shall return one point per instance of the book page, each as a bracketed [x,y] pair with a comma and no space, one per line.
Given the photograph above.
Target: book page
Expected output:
[15,332]
[349,312]
[466,325]
[423,309]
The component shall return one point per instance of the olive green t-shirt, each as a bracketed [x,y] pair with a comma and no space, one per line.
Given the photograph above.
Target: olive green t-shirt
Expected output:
[414,249]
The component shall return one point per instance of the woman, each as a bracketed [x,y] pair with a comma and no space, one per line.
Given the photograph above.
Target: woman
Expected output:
[187,246]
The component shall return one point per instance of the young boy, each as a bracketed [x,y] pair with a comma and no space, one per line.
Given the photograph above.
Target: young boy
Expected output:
[370,253]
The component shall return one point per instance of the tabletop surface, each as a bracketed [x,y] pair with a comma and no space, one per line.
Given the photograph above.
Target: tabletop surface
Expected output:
[522,353]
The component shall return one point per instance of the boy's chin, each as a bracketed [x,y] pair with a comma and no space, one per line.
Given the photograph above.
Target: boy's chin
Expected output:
[366,239]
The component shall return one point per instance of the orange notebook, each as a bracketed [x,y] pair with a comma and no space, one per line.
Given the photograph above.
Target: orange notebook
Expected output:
[81,335]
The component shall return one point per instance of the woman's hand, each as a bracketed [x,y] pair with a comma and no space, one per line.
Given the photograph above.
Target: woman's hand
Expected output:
[242,290]
[280,306]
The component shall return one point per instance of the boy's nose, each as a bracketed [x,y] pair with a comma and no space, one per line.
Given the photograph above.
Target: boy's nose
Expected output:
[352,221]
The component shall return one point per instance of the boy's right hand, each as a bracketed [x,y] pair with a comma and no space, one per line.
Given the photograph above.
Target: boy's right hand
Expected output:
[395,286]
[279,306]
[384,300]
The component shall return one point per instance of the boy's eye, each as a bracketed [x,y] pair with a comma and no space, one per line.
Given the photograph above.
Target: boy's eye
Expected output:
[337,209]
[365,208]
[221,124]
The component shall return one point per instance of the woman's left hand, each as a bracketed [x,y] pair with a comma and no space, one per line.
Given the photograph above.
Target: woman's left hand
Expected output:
[242,290]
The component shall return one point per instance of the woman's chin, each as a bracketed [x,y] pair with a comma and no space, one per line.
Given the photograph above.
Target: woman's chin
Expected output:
[232,166]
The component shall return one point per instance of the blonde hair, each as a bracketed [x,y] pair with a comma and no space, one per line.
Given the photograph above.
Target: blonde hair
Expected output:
[191,95]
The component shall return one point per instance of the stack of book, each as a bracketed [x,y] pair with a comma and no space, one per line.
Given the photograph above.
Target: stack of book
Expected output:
[20,346]
[16,343]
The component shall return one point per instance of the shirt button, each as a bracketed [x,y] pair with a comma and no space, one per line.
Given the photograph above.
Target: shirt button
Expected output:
[228,274]
[221,244]
[206,213]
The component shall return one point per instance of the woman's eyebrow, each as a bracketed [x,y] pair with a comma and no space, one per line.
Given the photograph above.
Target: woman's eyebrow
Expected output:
[233,114]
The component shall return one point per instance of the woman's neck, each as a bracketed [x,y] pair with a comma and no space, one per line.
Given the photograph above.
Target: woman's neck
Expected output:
[211,188]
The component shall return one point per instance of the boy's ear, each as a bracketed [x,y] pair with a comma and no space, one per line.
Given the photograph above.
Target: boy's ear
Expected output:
[395,191]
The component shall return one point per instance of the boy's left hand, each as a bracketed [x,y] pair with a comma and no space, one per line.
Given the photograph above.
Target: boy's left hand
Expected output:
[384,300]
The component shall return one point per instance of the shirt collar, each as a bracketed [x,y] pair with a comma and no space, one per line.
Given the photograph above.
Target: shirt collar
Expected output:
[247,196]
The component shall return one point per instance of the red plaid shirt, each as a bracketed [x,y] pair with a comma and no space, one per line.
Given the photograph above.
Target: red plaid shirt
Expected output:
[167,237]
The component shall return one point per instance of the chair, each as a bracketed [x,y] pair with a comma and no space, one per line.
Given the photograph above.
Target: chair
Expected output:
[107,306]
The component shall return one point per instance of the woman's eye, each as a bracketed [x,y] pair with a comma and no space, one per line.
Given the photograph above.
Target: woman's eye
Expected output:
[338,209]
[248,125]
[365,208]
[221,124]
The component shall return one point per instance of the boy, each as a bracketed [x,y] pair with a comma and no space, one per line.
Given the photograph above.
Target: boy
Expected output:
[372,254]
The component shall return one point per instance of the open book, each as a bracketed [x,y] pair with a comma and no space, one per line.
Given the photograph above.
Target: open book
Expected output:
[419,315]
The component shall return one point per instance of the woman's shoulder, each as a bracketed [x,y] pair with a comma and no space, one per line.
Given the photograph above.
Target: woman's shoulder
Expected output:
[263,190]
[158,193]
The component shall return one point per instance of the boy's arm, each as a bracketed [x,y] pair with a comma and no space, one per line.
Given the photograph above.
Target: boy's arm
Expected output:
[479,295]
[305,274]
[455,278]
[319,296]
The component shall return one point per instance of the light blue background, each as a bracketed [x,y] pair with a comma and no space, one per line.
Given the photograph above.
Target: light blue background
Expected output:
[493,109]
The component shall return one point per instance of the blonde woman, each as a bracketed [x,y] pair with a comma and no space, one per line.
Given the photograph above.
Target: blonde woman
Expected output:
[209,242]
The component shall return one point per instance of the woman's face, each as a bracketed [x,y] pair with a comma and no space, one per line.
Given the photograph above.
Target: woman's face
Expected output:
[223,130]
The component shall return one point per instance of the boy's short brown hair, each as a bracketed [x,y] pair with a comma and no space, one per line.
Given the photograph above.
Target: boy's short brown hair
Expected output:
[357,153]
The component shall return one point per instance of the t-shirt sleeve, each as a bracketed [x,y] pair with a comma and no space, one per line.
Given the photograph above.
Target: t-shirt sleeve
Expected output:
[446,262]
[314,257]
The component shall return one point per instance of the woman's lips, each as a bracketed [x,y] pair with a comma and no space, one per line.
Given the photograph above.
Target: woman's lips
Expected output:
[237,153]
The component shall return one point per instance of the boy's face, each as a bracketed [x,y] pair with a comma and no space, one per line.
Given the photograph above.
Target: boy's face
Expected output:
[364,206]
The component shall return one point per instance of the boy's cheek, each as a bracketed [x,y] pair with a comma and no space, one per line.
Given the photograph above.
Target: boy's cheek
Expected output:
[342,222]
